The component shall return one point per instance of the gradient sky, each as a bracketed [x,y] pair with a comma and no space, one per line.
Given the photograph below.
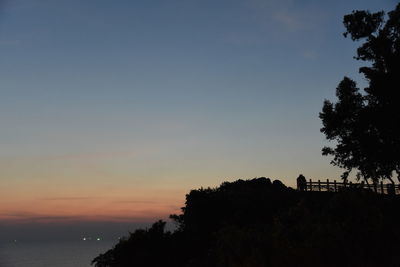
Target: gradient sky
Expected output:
[113,110]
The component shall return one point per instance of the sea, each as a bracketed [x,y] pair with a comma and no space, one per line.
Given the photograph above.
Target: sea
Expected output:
[52,254]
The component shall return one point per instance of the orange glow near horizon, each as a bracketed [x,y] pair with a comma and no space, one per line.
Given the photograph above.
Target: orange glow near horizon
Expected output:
[67,209]
[117,187]
[82,188]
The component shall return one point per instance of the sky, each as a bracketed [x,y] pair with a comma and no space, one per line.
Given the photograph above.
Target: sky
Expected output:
[111,111]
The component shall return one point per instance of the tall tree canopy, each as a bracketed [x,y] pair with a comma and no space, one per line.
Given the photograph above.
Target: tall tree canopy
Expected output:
[365,123]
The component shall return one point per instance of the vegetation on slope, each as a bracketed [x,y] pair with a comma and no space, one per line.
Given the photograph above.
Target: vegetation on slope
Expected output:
[262,223]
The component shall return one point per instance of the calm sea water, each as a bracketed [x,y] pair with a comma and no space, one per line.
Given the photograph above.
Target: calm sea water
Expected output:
[51,254]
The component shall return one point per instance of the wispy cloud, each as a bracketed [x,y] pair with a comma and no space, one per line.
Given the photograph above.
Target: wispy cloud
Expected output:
[271,20]
[94,155]
[67,198]
[289,20]
[286,15]
[309,54]
[28,217]
[17,214]
[130,201]
[22,217]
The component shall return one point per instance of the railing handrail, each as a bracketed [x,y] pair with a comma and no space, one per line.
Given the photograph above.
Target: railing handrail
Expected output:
[335,186]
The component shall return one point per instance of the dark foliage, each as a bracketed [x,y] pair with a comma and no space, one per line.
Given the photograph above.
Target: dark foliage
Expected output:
[257,223]
[365,123]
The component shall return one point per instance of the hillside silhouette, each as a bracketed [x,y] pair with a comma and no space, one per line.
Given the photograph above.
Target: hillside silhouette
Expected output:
[259,223]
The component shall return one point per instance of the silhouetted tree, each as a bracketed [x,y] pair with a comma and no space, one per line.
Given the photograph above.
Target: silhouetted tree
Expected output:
[365,123]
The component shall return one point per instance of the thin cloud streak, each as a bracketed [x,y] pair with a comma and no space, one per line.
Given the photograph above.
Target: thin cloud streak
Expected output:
[310,55]
[273,20]
[27,218]
[67,198]
[136,202]
[287,14]
[94,155]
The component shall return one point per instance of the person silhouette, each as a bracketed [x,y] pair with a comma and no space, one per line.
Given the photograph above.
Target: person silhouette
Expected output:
[301,183]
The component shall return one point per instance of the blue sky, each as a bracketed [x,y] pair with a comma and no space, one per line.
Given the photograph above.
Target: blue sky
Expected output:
[126,101]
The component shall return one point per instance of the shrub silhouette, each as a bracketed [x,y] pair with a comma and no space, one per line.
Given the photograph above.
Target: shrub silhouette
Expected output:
[262,223]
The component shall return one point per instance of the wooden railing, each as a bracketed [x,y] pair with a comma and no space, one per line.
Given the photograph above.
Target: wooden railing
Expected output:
[334,186]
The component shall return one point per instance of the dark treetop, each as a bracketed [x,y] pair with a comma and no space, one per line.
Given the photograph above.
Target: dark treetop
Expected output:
[365,123]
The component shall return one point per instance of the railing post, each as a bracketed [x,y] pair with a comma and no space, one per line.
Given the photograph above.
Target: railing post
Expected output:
[382,192]
[310,185]
[334,185]
[319,185]
[327,185]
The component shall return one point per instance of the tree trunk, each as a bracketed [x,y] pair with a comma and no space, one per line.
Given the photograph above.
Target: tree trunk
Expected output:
[366,181]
